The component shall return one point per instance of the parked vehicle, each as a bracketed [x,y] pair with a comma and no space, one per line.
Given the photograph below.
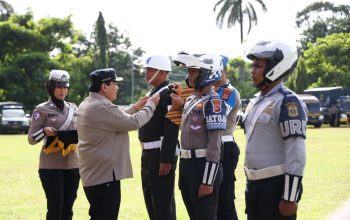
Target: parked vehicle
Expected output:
[13,118]
[327,96]
[345,106]
[315,115]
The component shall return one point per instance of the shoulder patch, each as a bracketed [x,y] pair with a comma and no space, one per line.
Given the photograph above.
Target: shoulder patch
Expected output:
[215,114]
[292,118]
[36,115]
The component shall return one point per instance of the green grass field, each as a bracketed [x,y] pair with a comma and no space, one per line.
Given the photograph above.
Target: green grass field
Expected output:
[326,179]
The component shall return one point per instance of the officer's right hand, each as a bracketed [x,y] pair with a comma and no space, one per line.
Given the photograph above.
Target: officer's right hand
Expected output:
[50,131]
[204,190]
[287,208]
[155,99]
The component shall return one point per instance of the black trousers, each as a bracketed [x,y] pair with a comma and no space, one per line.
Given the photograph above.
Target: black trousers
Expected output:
[104,200]
[263,197]
[60,188]
[158,191]
[190,178]
[226,203]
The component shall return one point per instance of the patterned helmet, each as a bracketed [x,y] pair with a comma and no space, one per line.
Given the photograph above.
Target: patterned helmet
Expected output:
[210,67]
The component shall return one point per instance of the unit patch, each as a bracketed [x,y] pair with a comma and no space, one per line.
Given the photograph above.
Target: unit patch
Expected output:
[293,111]
[36,115]
[216,105]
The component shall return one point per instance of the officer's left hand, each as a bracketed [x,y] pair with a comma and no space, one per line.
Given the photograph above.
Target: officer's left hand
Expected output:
[204,190]
[141,102]
[287,208]
[164,168]
[177,101]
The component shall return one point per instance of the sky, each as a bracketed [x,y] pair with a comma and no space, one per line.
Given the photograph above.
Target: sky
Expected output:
[170,26]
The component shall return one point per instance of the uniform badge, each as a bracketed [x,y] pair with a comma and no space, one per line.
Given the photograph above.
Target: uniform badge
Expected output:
[216,105]
[292,109]
[36,115]
[195,127]
[194,118]
[199,105]
[268,109]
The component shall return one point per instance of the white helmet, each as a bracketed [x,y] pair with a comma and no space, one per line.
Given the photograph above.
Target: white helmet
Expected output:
[197,61]
[282,58]
[210,67]
[59,78]
[211,62]
[159,62]
[188,60]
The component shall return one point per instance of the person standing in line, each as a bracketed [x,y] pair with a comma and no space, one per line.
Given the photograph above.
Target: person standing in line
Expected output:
[104,142]
[203,123]
[54,122]
[158,139]
[231,97]
[275,125]
[332,115]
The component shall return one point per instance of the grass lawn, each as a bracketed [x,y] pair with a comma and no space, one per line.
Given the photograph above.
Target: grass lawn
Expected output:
[326,179]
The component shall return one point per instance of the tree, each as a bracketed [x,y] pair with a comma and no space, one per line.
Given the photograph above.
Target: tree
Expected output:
[235,11]
[321,19]
[239,75]
[101,41]
[6,10]
[124,59]
[327,61]
[298,81]
[30,50]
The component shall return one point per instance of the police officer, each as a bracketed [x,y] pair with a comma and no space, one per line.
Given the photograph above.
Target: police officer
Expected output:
[104,142]
[203,123]
[158,140]
[275,126]
[231,97]
[54,122]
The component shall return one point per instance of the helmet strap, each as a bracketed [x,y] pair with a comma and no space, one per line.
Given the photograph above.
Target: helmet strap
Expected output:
[154,76]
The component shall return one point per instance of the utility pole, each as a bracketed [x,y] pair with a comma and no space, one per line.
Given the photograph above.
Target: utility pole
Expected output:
[132,77]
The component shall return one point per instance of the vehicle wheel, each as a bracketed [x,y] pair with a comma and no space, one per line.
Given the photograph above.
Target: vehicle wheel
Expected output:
[317,125]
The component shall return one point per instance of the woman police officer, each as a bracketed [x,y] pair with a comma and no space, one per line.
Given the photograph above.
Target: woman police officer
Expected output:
[54,122]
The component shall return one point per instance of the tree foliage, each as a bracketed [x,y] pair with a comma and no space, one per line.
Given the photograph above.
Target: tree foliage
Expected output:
[327,61]
[30,50]
[238,11]
[6,10]
[101,41]
[239,75]
[321,19]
